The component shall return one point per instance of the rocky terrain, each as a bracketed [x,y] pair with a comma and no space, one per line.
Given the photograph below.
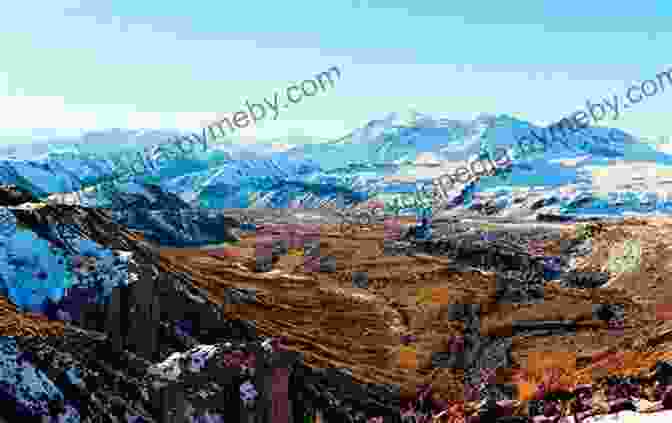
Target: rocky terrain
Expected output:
[453,319]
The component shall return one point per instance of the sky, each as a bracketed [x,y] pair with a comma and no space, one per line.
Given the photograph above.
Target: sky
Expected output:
[69,66]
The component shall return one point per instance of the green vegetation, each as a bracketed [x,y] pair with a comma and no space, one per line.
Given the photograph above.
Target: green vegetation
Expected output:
[628,260]
[583,232]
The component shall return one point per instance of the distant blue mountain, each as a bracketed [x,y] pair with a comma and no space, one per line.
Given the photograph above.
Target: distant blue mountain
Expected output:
[390,155]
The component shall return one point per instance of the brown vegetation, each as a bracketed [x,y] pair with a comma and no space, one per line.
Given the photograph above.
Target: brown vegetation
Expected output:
[334,324]
[15,323]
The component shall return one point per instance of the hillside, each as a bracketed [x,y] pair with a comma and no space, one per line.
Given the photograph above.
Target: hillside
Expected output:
[511,319]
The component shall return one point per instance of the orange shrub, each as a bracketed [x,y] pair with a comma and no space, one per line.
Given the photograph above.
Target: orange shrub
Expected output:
[408,358]
[552,370]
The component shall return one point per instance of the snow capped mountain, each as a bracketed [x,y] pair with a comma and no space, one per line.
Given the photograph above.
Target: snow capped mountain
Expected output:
[398,154]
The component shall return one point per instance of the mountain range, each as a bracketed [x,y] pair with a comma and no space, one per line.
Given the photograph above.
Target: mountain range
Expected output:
[384,158]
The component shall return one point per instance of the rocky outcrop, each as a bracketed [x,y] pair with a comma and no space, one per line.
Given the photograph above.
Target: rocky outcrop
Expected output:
[165,219]
[11,195]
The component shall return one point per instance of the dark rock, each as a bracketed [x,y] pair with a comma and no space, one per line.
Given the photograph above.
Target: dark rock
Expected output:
[582,249]
[11,195]
[542,202]
[56,407]
[575,279]
[608,312]
[663,372]
[447,360]
[328,264]
[617,406]
[118,406]
[667,399]
[280,247]
[457,311]
[546,217]
[519,287]
[165,219]
[360,280]
[311,248]
[264,264]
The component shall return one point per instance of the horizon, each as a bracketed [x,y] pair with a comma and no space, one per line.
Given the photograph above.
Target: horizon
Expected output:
[298,139]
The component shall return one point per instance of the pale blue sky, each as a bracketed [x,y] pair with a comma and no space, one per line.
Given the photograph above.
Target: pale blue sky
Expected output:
[73,65]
